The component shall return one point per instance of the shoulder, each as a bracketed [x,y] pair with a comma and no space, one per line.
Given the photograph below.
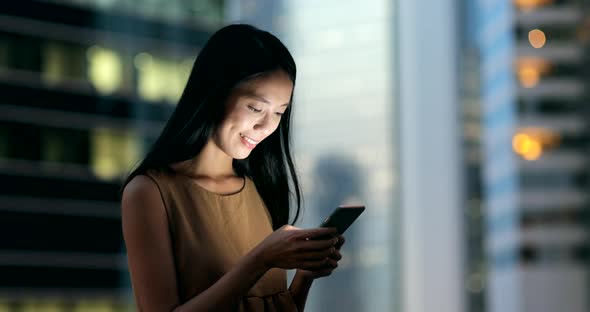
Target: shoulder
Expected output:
[142,196]
[150,182]
[140,186]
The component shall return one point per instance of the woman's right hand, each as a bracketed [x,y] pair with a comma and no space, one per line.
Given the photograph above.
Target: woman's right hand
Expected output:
[293,248]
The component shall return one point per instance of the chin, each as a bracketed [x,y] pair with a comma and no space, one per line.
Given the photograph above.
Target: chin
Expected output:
[241,157]
[241,154]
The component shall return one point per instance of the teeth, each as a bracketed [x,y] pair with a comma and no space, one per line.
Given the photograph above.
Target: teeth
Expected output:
[249,140]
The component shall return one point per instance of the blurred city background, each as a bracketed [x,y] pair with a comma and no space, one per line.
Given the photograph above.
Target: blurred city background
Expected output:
[462,125]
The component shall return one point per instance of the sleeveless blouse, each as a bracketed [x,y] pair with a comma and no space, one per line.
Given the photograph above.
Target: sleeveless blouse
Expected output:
[211,232]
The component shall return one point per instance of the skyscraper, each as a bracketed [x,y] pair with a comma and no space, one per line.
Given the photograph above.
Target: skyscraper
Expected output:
[85,86]
[552,142]
[544,265]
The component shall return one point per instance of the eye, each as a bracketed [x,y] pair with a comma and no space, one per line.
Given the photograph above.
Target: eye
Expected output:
[254,109]
[279,114]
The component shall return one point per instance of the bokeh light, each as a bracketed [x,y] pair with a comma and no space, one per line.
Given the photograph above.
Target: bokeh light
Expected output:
[537,38]
[526,146]
[527,5]
[529,76]
[531,143]
[530,70]
[105,69]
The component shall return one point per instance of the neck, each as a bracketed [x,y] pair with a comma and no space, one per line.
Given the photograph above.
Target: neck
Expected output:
[211,162]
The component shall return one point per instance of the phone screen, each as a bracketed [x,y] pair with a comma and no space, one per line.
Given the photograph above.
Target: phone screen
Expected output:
[342,217]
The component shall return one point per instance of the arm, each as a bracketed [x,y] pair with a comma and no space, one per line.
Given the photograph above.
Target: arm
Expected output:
[299,289]
[149,251]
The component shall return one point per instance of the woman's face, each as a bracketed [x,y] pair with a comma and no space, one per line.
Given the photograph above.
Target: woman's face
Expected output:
[252,112]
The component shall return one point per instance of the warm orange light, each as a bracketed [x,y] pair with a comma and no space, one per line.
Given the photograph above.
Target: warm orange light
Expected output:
[527,5]
[530,143]
[529,77]
[519,142]
[530,70]
[533,151]
[537,38]
[527,147]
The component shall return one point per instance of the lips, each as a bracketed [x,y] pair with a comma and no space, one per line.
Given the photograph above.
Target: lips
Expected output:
[248,141]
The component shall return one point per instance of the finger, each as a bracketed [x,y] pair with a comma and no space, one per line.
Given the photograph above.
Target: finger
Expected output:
[311,265]
[319,254]
[317,244]
[289,227]
[315,265]
[340,242]
[336,255]
[331,263]
[317,232]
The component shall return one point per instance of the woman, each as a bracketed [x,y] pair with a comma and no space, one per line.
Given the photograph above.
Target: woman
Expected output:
[205,214]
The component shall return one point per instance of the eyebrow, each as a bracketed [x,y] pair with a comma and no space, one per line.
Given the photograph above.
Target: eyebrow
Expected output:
[261,99]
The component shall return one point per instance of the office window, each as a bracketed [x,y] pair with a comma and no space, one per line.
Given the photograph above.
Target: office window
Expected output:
[62,63]
[105,69]
[161,78]
[113,153]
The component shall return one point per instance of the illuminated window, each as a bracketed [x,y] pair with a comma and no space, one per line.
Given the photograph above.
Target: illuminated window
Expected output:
[5,306]
[161,79]
[63,304]
[113,153]
[54,64]
[105,69]
[61,62]
[46,305]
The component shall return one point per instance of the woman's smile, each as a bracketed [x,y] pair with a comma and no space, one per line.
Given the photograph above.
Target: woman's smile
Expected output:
[249,142]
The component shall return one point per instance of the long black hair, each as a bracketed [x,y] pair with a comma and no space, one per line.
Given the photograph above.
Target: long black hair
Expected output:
[232,55]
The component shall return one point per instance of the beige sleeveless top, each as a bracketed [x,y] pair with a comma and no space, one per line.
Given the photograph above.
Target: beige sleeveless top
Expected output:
[210,232]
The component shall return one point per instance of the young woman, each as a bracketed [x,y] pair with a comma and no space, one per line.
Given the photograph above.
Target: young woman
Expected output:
[206,213]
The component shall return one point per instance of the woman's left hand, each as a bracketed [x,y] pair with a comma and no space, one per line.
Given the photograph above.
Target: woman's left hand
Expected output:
[331,263]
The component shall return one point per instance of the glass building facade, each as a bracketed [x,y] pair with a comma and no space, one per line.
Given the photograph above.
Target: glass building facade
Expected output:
[86,86]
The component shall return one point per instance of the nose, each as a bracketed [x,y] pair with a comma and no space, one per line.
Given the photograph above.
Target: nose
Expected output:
[265,124]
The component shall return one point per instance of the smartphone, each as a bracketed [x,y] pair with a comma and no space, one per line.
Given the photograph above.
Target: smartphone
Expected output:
[342,217]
